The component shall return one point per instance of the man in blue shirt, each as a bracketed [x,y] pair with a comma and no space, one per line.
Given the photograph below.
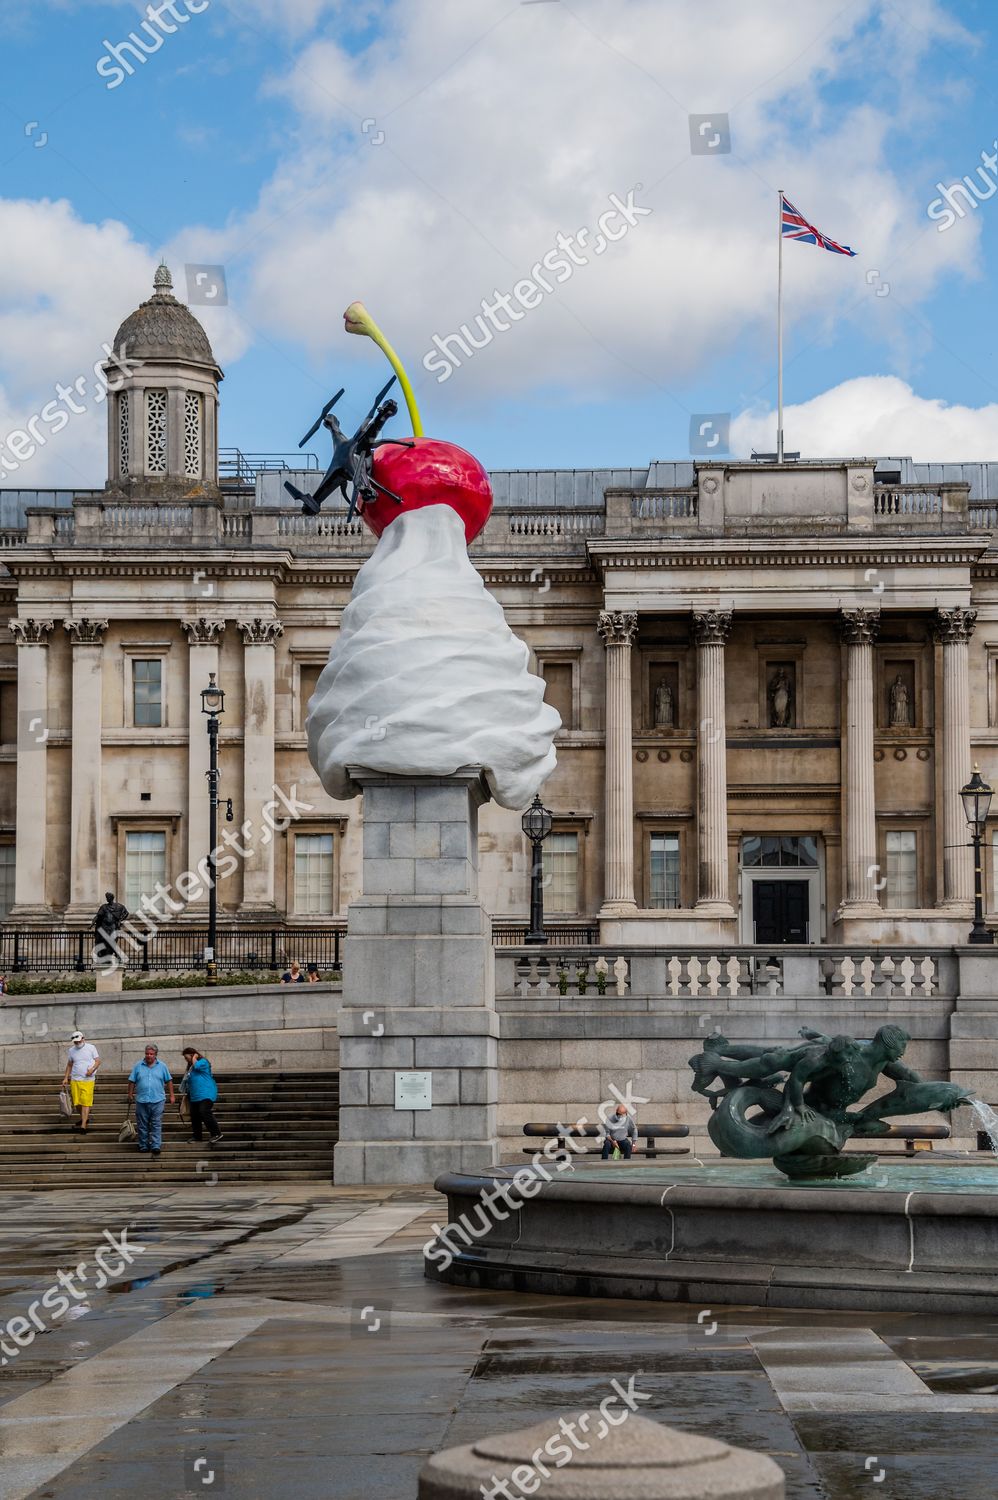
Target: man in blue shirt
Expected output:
[147,1085]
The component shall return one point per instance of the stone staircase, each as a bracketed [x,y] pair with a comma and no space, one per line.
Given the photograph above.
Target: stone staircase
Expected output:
[277,1127]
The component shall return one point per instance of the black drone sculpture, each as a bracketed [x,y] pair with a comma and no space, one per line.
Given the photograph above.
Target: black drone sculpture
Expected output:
[352,460]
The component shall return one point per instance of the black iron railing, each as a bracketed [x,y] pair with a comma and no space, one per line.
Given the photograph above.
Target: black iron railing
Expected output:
[511,934]
[33,950]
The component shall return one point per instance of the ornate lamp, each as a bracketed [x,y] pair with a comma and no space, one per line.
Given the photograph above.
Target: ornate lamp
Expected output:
[976,797]
[212,698]
[536,824]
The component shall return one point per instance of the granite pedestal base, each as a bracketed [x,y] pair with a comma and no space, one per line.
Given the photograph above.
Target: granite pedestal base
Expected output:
[908,1238]
[418,988]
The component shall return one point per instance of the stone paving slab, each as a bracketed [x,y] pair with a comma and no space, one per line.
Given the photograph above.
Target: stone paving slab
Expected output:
[250,1348]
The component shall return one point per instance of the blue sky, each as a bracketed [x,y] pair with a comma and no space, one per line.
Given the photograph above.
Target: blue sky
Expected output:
[242,141]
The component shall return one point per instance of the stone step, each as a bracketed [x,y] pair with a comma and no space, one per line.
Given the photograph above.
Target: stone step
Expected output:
[277,1128]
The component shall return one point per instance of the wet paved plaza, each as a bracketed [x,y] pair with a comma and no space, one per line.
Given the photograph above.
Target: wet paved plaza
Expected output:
[283,1342]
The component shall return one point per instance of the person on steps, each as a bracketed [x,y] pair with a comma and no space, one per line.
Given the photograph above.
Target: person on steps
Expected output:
[82,1062]
[202,1091]
[147,1085]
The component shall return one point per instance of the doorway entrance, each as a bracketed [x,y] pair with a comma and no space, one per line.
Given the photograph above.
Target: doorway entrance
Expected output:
[780,911]
[781,889]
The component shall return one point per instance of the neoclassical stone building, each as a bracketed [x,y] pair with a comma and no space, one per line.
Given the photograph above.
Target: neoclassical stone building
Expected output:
[773,680]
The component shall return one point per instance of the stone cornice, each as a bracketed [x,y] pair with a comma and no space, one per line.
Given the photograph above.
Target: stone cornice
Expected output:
[732,552]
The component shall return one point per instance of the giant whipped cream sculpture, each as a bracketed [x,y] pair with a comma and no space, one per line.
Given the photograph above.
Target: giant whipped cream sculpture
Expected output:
[425,676]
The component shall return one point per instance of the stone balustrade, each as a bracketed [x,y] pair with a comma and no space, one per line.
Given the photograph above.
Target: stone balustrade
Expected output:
[546,974]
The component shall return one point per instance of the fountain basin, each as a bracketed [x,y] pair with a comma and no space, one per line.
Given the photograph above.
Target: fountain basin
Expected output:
[899,1237]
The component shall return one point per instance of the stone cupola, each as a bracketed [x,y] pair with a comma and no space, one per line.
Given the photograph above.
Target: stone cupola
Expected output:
[163,413]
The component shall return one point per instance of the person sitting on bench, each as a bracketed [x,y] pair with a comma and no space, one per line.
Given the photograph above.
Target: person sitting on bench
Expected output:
[619,1130]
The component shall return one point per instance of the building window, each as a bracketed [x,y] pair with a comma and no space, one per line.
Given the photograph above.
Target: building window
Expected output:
[561,873]
[308,676]
[156,432]
[145,865]
[192,434]
[901,890]
[123,434]
[763,850]
[559,690]
[314,854]
[664,870]
[147,693]
[8,712]
[7,859]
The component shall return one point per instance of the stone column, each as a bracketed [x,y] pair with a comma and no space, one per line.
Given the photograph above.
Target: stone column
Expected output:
[86,889]
[418,987]
[203,635]
[711,629]
[858,629]
[953,629]
[617,630]
[260,638]
[30,893]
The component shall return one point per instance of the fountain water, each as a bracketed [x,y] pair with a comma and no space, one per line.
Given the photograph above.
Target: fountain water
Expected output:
[988,1121]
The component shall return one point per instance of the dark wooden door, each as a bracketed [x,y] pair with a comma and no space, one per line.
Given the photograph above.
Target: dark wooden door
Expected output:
[780,910]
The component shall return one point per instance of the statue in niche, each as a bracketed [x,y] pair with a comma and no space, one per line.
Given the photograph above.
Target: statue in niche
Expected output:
[900,704]
[665,707]
[781,706]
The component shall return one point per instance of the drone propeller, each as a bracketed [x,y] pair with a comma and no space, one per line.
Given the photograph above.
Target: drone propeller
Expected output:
[380,397]
[322,416]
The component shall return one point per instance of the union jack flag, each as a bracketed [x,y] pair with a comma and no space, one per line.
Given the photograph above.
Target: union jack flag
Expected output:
[796,227]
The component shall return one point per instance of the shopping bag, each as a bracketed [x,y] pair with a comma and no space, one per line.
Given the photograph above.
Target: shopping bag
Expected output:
[127,1131]
[617,1153]
[65,1104]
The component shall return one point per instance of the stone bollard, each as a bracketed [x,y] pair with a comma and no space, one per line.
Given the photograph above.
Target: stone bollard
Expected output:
[637,1460]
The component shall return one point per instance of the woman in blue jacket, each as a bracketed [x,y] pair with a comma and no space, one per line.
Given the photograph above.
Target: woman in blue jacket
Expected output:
[202,1091]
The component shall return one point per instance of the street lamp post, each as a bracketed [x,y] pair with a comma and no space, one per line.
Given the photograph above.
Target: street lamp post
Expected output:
[212,704]
[536,824]
[976,796]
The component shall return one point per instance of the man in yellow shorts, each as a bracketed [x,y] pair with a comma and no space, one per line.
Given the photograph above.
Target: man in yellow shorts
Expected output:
[82,1063]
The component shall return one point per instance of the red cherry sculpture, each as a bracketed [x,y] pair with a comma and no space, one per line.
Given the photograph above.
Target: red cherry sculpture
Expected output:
[428,471]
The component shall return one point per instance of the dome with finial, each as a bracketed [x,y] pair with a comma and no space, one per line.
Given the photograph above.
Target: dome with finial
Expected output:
[163,328]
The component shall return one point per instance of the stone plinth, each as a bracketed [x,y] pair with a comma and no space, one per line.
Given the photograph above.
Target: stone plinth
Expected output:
[418,987]
[108,983]
[606,1454]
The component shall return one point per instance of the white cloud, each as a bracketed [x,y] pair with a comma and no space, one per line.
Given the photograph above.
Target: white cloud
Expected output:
[503,128]
[874,416]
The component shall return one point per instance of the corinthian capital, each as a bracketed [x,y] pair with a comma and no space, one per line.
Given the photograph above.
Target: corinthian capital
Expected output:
[951,625]
[617,627]
[259,632]
[203,631]
[85,632]
[30,632]
[711,627]
[859,627]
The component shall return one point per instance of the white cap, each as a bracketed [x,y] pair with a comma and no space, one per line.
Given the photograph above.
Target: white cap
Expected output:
[77,1036]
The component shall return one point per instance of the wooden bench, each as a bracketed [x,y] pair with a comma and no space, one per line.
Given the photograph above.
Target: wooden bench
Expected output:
[647,1133]
[916,1138]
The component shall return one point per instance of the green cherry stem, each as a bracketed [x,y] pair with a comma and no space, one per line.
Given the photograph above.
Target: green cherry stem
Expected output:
[359,320]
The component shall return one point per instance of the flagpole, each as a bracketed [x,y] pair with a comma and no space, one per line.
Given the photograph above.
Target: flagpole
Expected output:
[779,335]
